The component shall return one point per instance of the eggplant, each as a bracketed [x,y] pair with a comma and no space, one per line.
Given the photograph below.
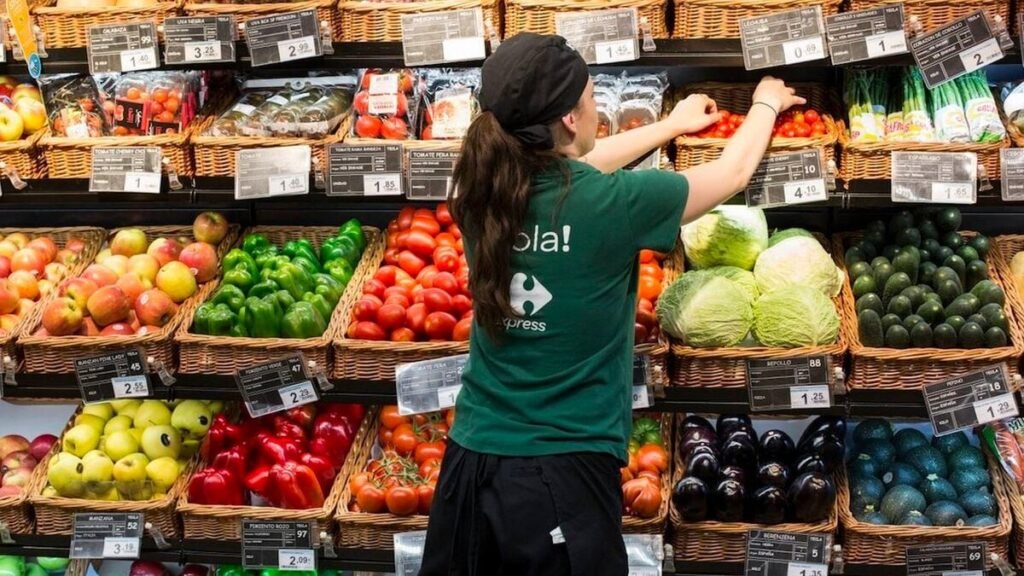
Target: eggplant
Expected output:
[690,497]
[695,436]
[834,425]
[742,434]
[773,474]
[694,421]
[776,446]
[729,422]
[769,503]
[703,449]
[704,466]
[811,497]
[729,501]
[809,463]
[827,447]
[738,451]
[736,473]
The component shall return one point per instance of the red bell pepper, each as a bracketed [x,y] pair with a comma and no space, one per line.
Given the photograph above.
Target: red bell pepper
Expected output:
[295,486]
[234,460]
[221,436]
[218,487]
[354,411]
[285,428]
[332,438]
[257,479]
[323,468]
[274,450]
[303,415]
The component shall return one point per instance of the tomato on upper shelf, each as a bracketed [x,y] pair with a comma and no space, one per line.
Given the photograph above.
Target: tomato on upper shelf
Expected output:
[793,123]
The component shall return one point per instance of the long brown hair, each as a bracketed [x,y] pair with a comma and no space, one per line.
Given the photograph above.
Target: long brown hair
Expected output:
[492,183]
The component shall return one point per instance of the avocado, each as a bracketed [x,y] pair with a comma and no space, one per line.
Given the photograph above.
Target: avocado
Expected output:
[958,265]
[968,253]
[971,336]
[875,236]
[897,337]
[994,316]
[879,260]
[870,302]
[964,305]
[907,262]
[928,230]
[995,338]
[900,305]
[956,323]
[896,283]
[979,320]
[921,335]
[944,336]
[890,251]
[948,290]
[939,256]
[868,249]
[948,219]
[869,328]
[900,221]
[926,272]
[890,320]
[988,292]
[916,295]
[913,320]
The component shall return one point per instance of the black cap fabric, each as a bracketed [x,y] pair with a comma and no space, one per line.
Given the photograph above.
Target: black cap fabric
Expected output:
[530,81]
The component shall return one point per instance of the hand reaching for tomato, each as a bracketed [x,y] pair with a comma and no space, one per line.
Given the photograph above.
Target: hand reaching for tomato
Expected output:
[794,123]
[694,114]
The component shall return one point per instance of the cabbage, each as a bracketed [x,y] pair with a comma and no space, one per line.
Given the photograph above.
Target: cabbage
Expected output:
[787,233]
[703,309]
[795,316]
[798,261]
[726,236]
[741,277]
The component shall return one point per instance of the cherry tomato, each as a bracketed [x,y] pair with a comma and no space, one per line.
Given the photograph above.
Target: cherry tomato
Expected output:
[404,440]
[811,116]
[370,499]
[357,481]
[402,500]
[429,450]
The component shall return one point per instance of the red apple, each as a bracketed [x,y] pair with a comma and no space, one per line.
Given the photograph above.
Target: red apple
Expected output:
[45,245]
[155,308]
[108,305]
[143,331]
[62,316]
[55,271]
[210,227]
[164,250]
[29,260]
[133,285]
[41,445]
[26,284]
[89,328]
[75,244]
[5,267]
[118,329]
[67,257]
[17,477]
[100,274]
[129,242]
[9,297]
[12,443]
[79,289]
[201,260]
[12,490]
[19,459]
[147,568]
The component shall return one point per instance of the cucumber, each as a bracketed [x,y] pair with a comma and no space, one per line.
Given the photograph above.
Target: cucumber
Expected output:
[931,245]
[948,219]
[981,244]
[896,284]
[977,271]
[931,311]
[890,251]
[916,295]
[900,305]
[908,237]
[968,253]
[860,269]
[897,337]
[956,322]
[868,249]
[928,230]
[870,302]
[879,260]
[948,291]
[869,328]
[890,320]
[994,316]
[882,273]
[926,256]
[921,335]
[989,293]
[964,305]
[900,221]
[854,255]
[943,273]
[979,320]
[971,336]
[864,285]
[952,240]
[933,297]
[995,337]
[908,263]
[913,320]
[940,255]
[944,336]
[959,266]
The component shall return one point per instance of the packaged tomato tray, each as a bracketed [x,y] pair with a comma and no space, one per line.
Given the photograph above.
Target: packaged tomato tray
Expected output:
[147,103]
[386,104]
[450,102]
[628,101]
[73,106]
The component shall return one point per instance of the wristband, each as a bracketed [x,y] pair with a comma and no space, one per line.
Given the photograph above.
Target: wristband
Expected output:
[769,106]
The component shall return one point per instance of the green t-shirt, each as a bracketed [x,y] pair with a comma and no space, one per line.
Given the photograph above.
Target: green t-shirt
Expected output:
[561,379]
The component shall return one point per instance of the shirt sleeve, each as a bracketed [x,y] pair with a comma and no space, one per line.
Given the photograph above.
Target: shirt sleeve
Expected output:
[654,202]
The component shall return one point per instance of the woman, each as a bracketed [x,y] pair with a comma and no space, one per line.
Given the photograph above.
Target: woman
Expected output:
[530,481]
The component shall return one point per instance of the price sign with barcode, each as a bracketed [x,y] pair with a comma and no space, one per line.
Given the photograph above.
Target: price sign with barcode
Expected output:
[789,178]
[642,382]
[935,177]
[439,37]
[113,535]
[199,39]
[126,169]
[125,47]
[409,552]
[771,553]
[271,172]
[1012,170]
[969,400]
[429,385]
[644,553]
[276,386]
[280,545]
[783,38]
[284,37]
[430,173]
[789,383]
[601,36]
[958,48]
[946,559]
[364,170]
[114,375]
[866,34]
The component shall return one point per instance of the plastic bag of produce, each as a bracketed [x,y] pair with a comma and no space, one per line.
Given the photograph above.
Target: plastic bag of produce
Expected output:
[864,125]
[948,111]
[1013,104]
[73,106]
[982,115]
[916,118]
[1005,439]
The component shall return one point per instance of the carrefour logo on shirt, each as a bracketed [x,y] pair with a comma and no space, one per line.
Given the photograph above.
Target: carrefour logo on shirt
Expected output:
[536,296]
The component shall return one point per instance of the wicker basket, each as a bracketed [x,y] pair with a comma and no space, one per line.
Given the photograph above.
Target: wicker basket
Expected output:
[873,160]
[1002,252]
[202,354]
[727,367]
[55,515]
[58,354]
[875,545]
[656,525]
[382,21]
[909,369]
[15,511]
[934,14]
[23,157]
[691,151]
[1015,134]
[1017,509]
[539,15]
[72,157]
[721,18]
[69,27]
[244,12]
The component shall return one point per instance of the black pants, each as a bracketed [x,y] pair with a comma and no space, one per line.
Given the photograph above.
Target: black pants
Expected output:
[549,515]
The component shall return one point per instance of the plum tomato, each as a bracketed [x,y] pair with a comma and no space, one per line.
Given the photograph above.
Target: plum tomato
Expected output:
[439,325]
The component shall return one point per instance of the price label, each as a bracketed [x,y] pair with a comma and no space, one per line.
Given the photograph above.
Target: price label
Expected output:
[641,399]
[946,559]
[430,173]
[789,383]
[122,47]
[969,400]
[961,46]
[364,170]
[199,39]
[789,178]
[119,374]
[279,545]
[783,38]
[866,34]
[3,34]
[148,182]
[409,552]
[771,553]
[1012,170]
[114,535]
[601,36]
[284,37]
[642,382]
[439,37]
[126,169]
[276,386]
[941,177]
[270,172]
[429,385]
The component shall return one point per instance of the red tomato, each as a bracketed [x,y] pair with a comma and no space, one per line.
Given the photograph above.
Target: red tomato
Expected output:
[444,217]
[428,450]
[368,77]
[439,325]
[641,497]
[369,331]
[416,317]
[395,128]
[405,439]
[446,239]
[646,256]
[639,332]
[398,300]
[391,316]
[391,254]
[403,335]
[420,242]
[386,274]
[650,287]
[428,466]
[642,304]
[374,287]
[402,500]
[462,330]
[445,281]
[370,499]
[392,291]
[368,126]
[437,300]
[410,262]
[625,475]
[426,223]
[802,130]
[652,270]
[425,494]
[446,259]
[405,217]
[652,457]
[357,481]
[454,230]
[461,304]
[390,417]
[367,307]
[650,476]
[425,279]
[811,116]
[362,102]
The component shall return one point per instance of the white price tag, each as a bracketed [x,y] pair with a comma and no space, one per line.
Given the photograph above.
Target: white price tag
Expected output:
[885,44]
[981,55]
[385,104]
[130,386]
[809,397]
[640,397]
[952,192]
[806,569]
[147,182]
[120,547]
[615,51]
[202,51]
[384,84]
[382,184]
[804,50]
[140,59]
[805,191]
[456,49]
[289,184]
[298,394]
[296,560]
[446,396]
[997,408]
[296,49]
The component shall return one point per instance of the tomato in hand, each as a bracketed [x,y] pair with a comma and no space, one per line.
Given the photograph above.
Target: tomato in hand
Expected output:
[402,500]
[641,497]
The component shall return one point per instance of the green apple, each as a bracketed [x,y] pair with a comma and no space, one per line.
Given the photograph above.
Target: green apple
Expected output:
[152,413]
[50,492]
[91,420]
[160,441]
[98,472]
[65,474]
[192,418]
[81,439]
[163,472]
[120,444]
[137,434]
[102,409]
[188,449]
[117,424]
[108,494]
[130,475]
[53,564]
[12,566]
[33,569]
[120,406]
[216,406]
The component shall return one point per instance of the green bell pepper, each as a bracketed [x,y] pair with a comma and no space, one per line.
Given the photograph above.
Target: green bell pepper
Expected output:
[214,319]
[255,244]
[231,295]
[340,270]
[284,299]
[321,304]
[303,320]
[241,277]
[266,257]
[230,570]
[294,279]
[342,247]
[264,288]
[354,230]
[201,319]
[263,317]
[328,287]
[306,264]
[236,258]
[302,246]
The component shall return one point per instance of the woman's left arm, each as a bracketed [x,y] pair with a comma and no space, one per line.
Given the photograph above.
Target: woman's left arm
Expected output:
[693,114]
